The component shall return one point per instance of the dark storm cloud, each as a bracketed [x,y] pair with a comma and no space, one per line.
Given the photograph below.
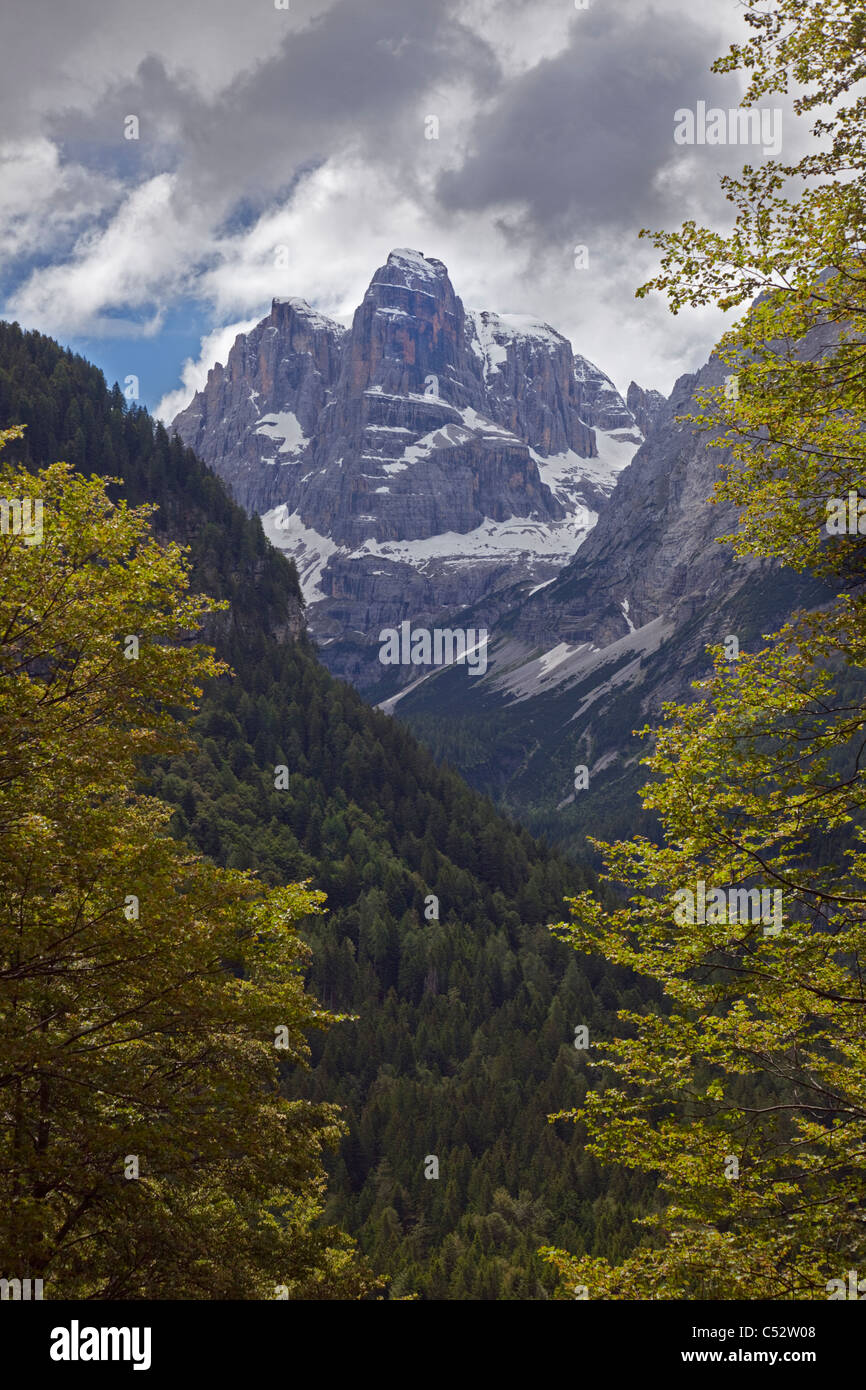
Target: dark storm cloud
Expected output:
[33,48]
[357,75]
[95,137]
[580,138]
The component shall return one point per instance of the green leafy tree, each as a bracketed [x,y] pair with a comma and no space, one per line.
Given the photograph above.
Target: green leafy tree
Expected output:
[746,1090]
[145,1149]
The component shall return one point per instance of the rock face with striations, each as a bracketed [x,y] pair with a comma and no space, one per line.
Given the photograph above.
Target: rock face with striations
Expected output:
[657,553]
[257,414]
[578,664]
[647,407]
[425,457]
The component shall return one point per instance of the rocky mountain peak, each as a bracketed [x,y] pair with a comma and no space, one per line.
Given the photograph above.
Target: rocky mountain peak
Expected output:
[415,266]
[295,313]
[647,407]
[407,329]
[417,461]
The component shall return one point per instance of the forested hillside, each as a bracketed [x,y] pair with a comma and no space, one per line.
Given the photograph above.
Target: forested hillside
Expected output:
[463,1040]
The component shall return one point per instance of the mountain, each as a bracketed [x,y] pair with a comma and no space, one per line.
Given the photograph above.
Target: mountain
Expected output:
[374,453]
[647,407]
[425,458]
[462,1007]
[576,666]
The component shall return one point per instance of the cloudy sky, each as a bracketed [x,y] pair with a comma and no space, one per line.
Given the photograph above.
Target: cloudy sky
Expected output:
[286,151]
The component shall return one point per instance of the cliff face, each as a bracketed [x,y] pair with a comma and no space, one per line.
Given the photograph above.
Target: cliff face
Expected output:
[656,552]
[422,459]
[257,414]
[647,407]
[577,665]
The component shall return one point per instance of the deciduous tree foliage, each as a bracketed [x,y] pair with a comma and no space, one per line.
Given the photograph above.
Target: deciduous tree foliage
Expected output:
[145,1148]
[759,1053]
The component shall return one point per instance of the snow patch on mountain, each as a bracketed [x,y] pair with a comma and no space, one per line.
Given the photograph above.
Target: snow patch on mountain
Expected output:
[445,437]
[310,550]
[516,538]
[489,334]
[567,473]
[542,585]
[413,260]
[615,452]
[525,326]
[487,428]
[283,424]
[483,342]
[315,319]
[562,666]
[557,655]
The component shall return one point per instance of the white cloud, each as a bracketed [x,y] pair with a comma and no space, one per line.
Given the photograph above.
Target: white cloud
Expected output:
[520,36]
[73,56]
[44,200]
[338,226]
[145,254]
